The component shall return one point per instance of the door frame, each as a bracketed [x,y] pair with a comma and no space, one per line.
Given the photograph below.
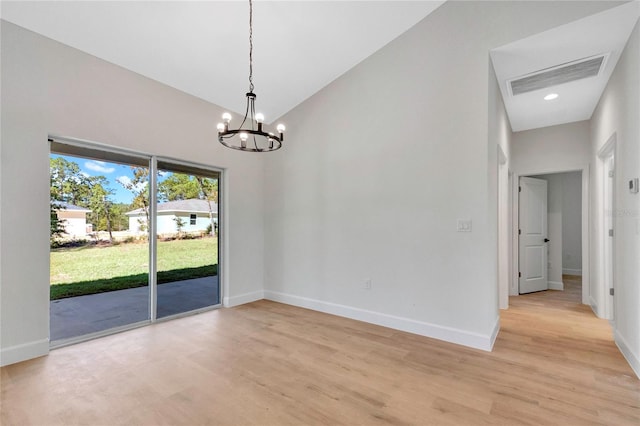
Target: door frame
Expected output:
[505,178]
[606,249]
[585,170]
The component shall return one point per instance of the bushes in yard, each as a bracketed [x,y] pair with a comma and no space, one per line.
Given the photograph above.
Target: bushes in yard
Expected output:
[58,243]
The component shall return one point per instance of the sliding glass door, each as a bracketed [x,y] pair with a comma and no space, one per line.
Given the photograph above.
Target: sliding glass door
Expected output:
[133,239]
[187,244]
[99,265]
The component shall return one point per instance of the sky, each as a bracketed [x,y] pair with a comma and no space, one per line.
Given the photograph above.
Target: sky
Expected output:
[114,172]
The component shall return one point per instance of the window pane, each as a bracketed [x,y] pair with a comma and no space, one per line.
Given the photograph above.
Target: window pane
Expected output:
[99,261]
[187,248]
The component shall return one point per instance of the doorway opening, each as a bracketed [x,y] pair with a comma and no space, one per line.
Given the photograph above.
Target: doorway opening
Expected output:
[551,232]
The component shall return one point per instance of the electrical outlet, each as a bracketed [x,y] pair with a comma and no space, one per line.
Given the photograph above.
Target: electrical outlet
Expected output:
[367,284]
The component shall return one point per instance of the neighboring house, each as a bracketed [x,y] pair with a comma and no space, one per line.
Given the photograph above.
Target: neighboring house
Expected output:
[194,214]
[74,217]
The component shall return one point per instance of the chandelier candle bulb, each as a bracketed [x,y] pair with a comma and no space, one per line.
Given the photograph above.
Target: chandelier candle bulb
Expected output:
[243,139]
[221,127]
[226,117]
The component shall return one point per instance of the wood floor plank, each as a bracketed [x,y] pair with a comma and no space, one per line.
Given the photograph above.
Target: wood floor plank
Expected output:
[267,363]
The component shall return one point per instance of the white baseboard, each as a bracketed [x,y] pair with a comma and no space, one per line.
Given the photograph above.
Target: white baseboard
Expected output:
[631,358]
[555,285]
[594,306]
[23,352]
[448,334]
[572,272]
[241,299]
[494,334]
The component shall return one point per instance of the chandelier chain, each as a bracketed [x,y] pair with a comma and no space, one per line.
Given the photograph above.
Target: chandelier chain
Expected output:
[250,46]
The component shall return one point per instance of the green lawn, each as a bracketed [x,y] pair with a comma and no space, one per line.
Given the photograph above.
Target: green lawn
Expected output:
[90,269]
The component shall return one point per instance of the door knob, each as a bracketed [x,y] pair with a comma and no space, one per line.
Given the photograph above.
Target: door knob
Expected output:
[546,240]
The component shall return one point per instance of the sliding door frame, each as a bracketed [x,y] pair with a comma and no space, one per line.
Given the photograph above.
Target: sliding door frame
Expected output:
[84,147]
[191,167]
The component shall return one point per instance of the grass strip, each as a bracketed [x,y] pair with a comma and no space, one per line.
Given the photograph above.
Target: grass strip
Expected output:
[83,288]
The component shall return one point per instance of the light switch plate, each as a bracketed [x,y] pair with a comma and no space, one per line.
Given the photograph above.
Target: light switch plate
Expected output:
[464,225]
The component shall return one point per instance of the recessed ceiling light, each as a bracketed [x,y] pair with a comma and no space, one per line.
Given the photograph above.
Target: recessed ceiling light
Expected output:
[550,96]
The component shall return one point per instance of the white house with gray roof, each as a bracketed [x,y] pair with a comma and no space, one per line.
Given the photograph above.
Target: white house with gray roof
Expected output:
[194,214]
[74,219]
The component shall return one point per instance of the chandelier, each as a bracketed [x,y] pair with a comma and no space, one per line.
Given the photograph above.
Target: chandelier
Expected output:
[250,135]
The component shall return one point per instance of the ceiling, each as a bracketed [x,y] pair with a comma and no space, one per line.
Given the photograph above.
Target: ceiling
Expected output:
[201,47]
[602,33]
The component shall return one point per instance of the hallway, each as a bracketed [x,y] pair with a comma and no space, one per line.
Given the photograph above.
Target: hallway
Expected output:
[570,350]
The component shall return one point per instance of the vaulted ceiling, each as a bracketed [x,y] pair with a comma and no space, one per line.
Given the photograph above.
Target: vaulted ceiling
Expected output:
[202,47]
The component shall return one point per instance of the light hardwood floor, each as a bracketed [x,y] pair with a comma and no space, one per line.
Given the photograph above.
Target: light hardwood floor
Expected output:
[266,363]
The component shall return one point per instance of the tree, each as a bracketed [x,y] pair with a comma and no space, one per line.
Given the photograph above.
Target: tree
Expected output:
[178,186]
[68,183]
[100,204]
[57,225]
[209,188]
[180,223]
[139,187]
[120,220]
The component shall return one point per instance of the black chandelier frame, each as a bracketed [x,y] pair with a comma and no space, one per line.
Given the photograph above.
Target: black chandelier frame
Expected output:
[253,138]
[274,141]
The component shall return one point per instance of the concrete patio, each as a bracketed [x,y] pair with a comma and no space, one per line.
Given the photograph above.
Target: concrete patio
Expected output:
[77,316]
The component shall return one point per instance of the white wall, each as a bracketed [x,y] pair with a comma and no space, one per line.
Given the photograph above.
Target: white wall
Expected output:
[136,223]
[500,133]
[49,88]
[166,224]
[74,223]
[617,115]
[572,223]
[551,149]
[382,162]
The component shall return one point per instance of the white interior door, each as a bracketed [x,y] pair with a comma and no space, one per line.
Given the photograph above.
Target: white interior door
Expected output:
[533,235]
